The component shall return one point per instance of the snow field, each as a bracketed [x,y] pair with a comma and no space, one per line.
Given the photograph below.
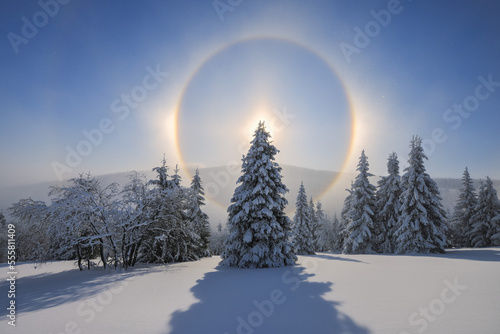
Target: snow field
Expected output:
[457,292]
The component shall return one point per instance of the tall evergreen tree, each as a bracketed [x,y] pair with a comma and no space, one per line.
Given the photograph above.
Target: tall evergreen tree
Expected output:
[259,230]
[484,227]
[198,218]
[360,231]
[303,238]
[422,224]
[387,206]
[463,211]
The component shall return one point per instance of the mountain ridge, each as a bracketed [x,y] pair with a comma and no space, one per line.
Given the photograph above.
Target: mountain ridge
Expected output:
[220,182]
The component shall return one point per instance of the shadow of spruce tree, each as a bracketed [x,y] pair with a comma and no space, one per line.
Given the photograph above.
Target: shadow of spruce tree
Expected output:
[278,300]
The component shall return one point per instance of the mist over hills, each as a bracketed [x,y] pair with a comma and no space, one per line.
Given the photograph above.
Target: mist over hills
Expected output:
[220,182]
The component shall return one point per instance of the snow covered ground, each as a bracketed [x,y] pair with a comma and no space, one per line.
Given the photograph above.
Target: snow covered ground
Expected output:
[458,292]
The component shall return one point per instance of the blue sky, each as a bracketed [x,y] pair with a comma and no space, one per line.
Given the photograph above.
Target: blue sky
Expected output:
[101,68]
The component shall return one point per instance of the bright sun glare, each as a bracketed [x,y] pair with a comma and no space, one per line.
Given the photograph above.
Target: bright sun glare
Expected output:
[262,114]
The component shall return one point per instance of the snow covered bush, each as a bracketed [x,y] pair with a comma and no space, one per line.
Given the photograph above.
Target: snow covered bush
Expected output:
[155,221]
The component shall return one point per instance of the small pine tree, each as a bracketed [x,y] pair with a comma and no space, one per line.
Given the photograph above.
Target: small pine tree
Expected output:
[176,178]
[485,225]
[162,181]
[315,226]
[495,238]
[217,239]
[259,230]
[303,238]
[197,217]
[325,239]
[336,242]
[421,226]
[463,211]
[345,217]
[478,228]
[360,231]
[387,206]
[493,205]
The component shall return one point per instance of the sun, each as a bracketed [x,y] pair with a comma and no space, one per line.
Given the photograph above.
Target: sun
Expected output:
[262,114]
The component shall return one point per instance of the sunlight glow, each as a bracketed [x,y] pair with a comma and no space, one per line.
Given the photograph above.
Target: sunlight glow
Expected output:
[261,114]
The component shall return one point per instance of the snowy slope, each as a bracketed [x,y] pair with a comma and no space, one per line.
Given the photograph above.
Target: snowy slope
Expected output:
[328,293]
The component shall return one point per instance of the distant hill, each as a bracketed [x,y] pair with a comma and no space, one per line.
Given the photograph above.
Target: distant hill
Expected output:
[220,182]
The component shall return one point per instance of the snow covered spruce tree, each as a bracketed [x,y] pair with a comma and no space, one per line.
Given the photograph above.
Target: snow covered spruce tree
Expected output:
[345,217]
[360,233]
[387,206]
[259,230]
[330,240]
[303,238]
[198,218]
[335,235]
[484,230]
[421,226]
[315,227]
[325,227]
[463,211]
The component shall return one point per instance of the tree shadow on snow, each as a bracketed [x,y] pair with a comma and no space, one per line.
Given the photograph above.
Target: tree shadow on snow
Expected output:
[329,256]
[46,290]
[490,254]
[278,300]
[473,254]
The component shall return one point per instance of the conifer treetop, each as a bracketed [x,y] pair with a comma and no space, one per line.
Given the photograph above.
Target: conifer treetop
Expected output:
[393,164]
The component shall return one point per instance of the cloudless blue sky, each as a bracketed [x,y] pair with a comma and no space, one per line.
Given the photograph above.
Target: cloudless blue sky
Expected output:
[262,57]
